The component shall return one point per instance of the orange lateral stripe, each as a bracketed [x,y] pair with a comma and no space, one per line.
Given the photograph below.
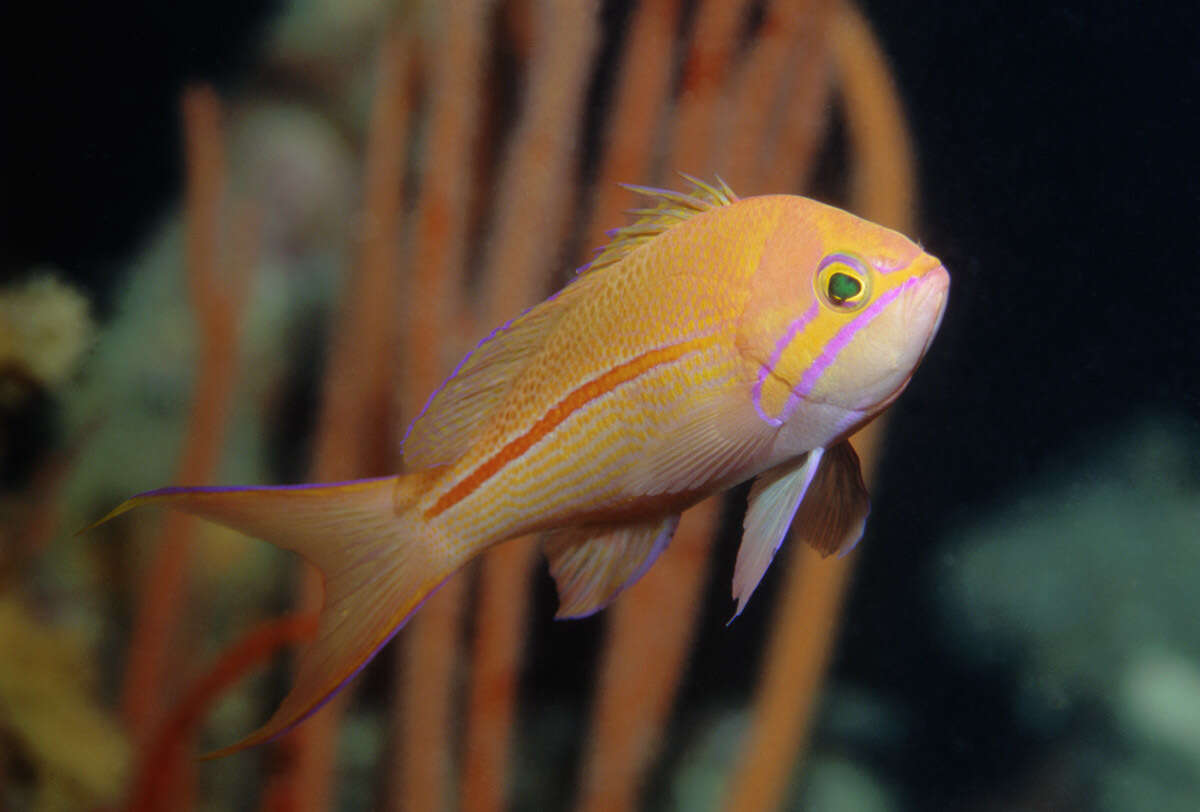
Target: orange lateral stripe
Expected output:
[548,422]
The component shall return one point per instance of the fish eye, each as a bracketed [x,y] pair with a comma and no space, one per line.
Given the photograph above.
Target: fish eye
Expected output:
[843,287]
[843,282]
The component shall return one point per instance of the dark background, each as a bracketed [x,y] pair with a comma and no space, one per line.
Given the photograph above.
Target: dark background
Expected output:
[1059,185]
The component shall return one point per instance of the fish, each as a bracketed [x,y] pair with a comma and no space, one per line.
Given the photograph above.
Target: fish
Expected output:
[713,340]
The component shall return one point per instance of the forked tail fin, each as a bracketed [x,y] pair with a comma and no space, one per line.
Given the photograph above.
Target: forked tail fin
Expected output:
[369,546]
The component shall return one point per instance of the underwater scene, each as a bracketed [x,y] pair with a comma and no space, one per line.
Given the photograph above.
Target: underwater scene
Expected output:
[601,405]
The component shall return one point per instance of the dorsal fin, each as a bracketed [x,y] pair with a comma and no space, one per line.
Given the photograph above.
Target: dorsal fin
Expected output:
[455,413]
[672,209]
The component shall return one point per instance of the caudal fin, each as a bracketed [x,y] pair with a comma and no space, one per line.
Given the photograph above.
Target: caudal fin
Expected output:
[377,567]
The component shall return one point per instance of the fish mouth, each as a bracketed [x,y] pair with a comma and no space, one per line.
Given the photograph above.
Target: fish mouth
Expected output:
[929,295]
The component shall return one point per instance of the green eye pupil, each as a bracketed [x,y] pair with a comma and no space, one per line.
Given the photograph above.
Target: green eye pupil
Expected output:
[843,287]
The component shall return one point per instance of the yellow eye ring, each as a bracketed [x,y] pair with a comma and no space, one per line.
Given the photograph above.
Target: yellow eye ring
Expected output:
[843,282]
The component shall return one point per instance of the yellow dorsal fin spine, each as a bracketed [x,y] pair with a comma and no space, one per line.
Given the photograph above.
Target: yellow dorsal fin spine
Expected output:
[720,194]
[672,209]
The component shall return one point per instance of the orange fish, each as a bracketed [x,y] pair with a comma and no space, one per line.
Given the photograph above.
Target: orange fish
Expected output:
[714,340]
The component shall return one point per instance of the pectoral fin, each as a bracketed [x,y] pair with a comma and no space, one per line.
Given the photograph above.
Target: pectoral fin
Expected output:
[832,516]
[774,499]
[592,564]
[823,496]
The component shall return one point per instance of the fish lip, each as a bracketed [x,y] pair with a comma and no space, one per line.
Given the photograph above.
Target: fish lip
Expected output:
[935,282]
[932,288]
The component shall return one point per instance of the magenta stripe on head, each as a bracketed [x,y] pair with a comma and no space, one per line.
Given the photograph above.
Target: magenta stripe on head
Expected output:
[793,330]
[843,337]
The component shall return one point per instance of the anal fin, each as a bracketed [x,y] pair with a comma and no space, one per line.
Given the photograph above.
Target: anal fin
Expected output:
[591,564]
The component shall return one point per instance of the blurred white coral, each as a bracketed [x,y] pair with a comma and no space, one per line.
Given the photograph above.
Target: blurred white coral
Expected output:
[1080,572]
[49,711]
[827,781]
[137,385]
[133,397]
[1160,703]
[45,328]
[1087,580]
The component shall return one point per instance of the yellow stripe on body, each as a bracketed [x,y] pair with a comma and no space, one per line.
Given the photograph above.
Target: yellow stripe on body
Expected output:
[574,401]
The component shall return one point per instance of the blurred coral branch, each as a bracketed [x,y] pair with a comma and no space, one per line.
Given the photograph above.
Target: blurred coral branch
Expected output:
[37,519]
[355,434]
[649,636]
[652,627]
[217,298]
[802,637]
[533,197]
[167,755]
[758,92]
[643,88]
[883,167]
[428,654]
[777,100]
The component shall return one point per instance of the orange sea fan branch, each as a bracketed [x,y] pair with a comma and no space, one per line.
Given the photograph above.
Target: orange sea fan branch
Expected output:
[38,520]
[651,628]
[166,755]
[643,85]
[649,636]
[429,650]
[705,71]
[796,659]
[803,636]
[883,171]
[642,664]
[354,436]
[217,300]
[791,153]
[757,97]
[535,190]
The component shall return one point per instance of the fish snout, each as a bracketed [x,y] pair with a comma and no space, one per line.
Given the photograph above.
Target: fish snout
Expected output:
[925,303]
